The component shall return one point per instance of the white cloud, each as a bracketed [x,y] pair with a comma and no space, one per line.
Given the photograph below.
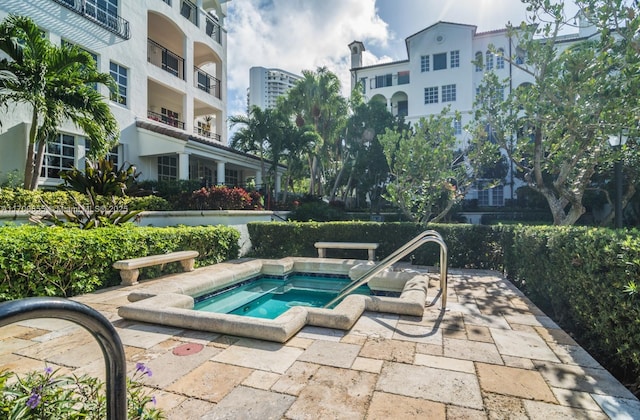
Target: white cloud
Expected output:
[296,35]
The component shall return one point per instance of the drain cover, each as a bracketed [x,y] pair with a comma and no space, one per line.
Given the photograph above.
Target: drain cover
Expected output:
[187,349]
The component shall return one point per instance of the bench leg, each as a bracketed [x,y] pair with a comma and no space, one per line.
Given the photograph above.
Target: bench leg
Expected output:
[187,265]
[372,254]
[129,277]
[321,252]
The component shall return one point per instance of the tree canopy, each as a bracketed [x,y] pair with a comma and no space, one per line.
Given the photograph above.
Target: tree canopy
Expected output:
[58,83]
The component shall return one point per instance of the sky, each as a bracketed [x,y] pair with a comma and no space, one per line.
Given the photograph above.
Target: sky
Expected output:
[296,35]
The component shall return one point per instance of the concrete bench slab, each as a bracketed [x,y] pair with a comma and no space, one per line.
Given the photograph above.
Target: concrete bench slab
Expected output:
[129,269]
[369,246]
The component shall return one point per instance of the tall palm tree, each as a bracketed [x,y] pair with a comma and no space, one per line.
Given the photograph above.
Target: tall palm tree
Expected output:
[58,83]
[261,132]
[315,100]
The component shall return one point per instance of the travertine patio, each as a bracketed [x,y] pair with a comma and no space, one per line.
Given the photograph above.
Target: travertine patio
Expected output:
[492,354]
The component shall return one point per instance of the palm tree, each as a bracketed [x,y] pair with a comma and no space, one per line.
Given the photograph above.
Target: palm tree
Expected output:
[59,84]
[315,100]
[261,132]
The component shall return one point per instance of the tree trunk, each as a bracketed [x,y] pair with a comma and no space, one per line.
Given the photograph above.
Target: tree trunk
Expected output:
[38,165]
[28,167]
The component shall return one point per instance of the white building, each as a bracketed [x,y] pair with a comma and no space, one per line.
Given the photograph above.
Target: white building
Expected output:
[169,59]
[440,71]
[266,85]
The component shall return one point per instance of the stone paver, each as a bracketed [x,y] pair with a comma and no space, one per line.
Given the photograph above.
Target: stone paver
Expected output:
[250,403]
[263,355]
[440,385]
[490,355]
[516,382]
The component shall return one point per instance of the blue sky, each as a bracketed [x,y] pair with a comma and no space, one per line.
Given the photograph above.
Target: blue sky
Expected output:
[297,35]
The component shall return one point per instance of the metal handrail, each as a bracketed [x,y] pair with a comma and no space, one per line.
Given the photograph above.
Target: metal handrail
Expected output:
[94,322]
[403,251]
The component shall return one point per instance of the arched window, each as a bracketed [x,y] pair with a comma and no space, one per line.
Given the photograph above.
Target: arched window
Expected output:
[478,61]
[500,59]
[489,59]
[520,56]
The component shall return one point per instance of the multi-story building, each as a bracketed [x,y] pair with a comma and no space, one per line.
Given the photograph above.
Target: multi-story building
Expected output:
[445,66]
[266,85]
[168,58]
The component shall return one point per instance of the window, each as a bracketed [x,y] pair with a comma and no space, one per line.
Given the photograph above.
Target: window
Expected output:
[381,81]
[520,56]
[457,127]
[440,61]
[231,177]
[431,95]
[403,77]
[403,108]
[448,93]
[112,155]
[363,81]
[489,63]
[454,59]
[500,59]
[424,63]
[497,195]
[59,154]
[119,74]
[478,61]
[167,168]
[483,196]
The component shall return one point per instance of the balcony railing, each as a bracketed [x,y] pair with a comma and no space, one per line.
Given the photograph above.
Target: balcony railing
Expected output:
[165,119]
[165,59]
[107,20]
[207,133]
[212,28]
[189,11]
[208,83]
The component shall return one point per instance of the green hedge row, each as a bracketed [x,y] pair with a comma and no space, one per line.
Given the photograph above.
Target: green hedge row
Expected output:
[472,246]
[577,275]
[36,261]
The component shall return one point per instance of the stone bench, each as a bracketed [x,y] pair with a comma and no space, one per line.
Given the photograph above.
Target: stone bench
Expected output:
[370,247]
[129,268]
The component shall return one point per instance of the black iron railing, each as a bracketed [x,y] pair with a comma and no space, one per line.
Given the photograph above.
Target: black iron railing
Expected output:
[212,28]
[92,321]
[165,119]
[208,83]
[165,59]
[107,20]
[207,133]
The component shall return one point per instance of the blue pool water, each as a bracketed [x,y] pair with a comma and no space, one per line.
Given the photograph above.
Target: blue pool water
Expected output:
[268,297]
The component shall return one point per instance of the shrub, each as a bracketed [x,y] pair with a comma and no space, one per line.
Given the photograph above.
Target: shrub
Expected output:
[220,197]
[47,395]
[316,211]
[148,203]
[36,261]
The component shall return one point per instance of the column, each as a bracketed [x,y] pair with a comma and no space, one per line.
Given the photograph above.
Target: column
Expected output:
[220,173]
[278,181]
[259,179]
[183,166]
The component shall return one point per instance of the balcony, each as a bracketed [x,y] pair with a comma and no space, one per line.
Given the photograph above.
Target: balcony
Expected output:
[168,61]
[206,82]
[166,119]
[203,132]
[103,18]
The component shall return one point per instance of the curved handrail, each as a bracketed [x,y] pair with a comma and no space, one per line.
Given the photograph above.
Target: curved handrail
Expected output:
[94,322]
[403,251]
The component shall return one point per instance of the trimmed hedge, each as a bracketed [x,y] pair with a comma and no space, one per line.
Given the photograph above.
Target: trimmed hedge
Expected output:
[577,275]
[470,246]
[36,261]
